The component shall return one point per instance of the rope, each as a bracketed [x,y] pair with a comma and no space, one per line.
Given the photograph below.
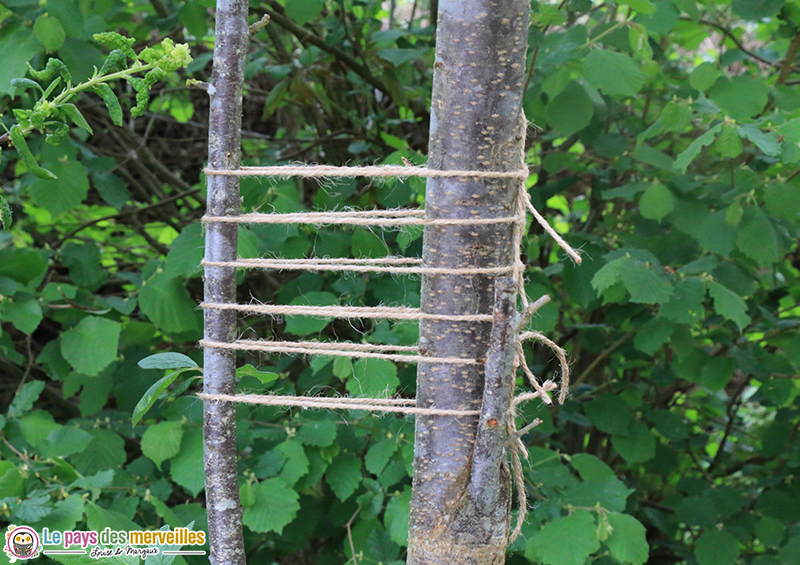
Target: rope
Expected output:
[352,219]
[311,265]
[385,171]
[369,404]
[327,348]
[381,312]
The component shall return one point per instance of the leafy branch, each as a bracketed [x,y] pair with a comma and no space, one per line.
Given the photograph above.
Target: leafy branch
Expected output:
[53,115]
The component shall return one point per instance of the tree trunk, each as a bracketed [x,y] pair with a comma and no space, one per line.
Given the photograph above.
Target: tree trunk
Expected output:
[224,152]
[460,505]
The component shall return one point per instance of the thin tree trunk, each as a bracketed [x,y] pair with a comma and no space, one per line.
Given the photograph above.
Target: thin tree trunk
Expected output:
[460,505]
[219,418]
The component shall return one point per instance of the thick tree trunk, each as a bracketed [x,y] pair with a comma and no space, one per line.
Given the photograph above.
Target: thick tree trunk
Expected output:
[224,152]
[460,506]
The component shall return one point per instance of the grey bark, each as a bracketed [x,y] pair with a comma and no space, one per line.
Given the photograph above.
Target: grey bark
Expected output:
[460,501]
[219,418]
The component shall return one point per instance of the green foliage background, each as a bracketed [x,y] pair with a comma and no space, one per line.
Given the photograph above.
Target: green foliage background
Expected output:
[666,143]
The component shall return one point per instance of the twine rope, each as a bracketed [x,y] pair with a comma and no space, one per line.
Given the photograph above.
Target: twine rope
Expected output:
[310,265]
[328,348]
[365,312]
[354,219]
[385,171]
[392,218]
[367,404]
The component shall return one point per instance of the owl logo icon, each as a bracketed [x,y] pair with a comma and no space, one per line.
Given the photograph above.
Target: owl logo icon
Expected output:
[22,542]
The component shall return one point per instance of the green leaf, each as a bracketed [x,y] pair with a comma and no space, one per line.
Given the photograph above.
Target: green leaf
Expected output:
[303,11]
[186,252]
[717,372]
[685,158]
[166,302]
[16,49]
[274,507]
[685,306]
[783,201]
[716,234]
[75,115]
[296,462]
[734,213]
[342,368]
[704,76]
[742,97]
[396,517]
[150,397]
[344,475]
[729,305]
[162,441]
[65,515]
[550,545]
[610,493]
[18,139]
[637,446]
[249,371]
[641,6]
[11,482]
[613,73]
[757,238]
[716,547]
[628,540]
[766,142]
[26,315]
[107,451]
[320,433]
[84,262]
[185,466]
[729,143]
[36,425]
[5,214]
[571,110]
[111,101]
[656,202]
[757,9]
[373,377]
[169,360]
[26,83]
[65,441]
[379,454]
[73,181]
[25,397]
[655,333]
[609,413]
[770,531]
[305,325]
[591,468]
[91,346]
[367,244]
[644,283]
[49,32]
